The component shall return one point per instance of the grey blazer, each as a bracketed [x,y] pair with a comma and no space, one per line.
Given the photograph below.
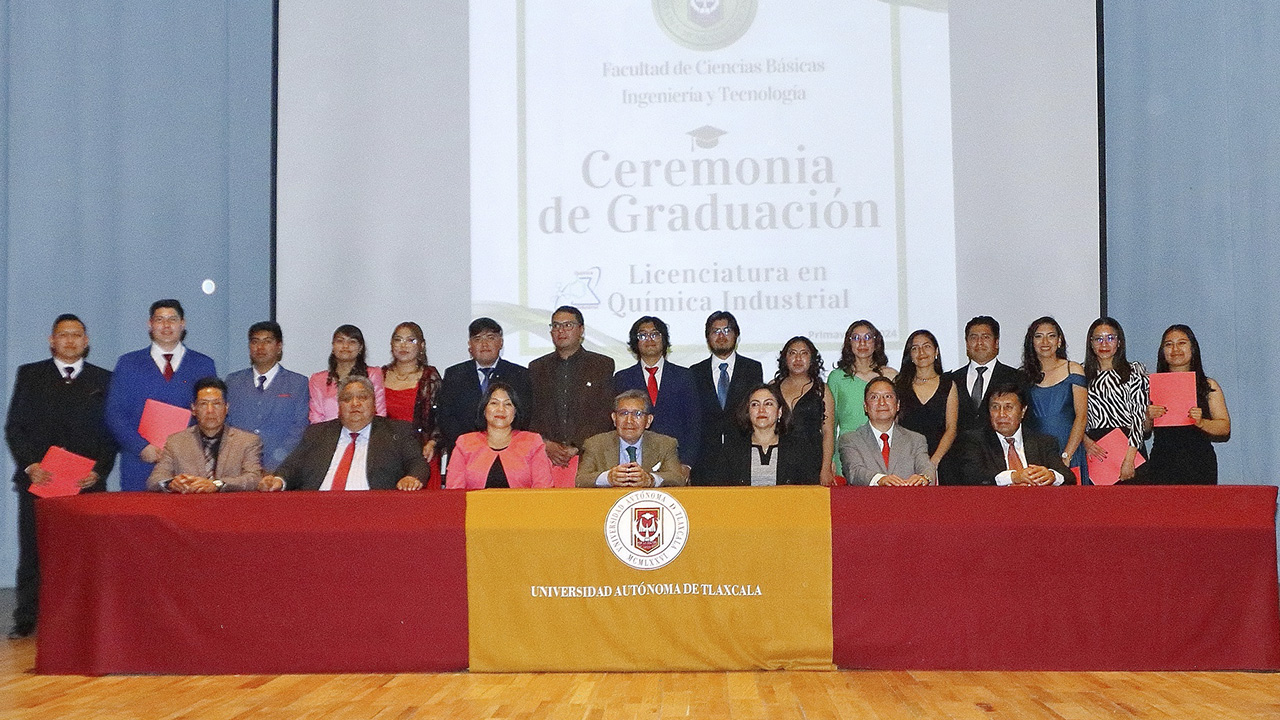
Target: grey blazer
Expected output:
[861,459]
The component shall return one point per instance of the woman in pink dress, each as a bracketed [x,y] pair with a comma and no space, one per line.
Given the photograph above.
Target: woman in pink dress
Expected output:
[346,358]
[411,386]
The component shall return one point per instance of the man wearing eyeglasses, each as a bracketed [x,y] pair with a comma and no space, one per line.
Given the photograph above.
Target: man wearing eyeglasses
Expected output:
[572,394]
[722,383]
[881,452]
[631,455]
[465,383]
[669,387]
[211,456]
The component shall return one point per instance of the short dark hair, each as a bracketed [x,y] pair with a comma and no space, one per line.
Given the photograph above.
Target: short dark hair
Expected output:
[633,338]
[716,317]
[483,324]
[213,381]
[270,326]
[66,317]
[168,303]
[876,381]
[983,320]
[1008,388]
[575,312]
[516,400]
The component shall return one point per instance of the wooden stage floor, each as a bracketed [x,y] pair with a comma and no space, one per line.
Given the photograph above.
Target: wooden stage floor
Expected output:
[649,696]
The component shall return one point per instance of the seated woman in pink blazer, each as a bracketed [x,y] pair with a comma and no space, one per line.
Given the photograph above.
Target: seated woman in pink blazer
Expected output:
[499,457]
[347,358]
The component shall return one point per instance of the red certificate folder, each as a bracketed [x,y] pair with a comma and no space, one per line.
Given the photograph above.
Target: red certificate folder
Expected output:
[1107,472]
[67,468]
[160,420]
[1177,392]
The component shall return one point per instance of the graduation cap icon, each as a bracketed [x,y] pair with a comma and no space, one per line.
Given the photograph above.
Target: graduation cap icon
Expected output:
[705,137]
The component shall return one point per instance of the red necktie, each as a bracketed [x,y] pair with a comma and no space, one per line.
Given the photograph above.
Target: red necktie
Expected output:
[1015,462]
[653,385]
[884,449]
[168,367]
[344,465]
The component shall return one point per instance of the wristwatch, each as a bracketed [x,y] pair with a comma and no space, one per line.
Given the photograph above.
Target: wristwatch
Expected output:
[218,484]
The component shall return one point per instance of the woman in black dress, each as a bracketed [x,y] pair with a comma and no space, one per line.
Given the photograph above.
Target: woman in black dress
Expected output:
[805,451]
[928,402]
[1183,454]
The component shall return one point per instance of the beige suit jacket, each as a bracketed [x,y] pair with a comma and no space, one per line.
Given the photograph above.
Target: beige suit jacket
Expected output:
[657,453]
[239,459]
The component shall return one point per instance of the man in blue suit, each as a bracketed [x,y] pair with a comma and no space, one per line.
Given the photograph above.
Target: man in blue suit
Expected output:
[266,399]
[676,412]
[166,371]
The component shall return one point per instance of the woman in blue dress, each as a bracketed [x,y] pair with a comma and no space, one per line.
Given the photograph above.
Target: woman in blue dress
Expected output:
[1058,397]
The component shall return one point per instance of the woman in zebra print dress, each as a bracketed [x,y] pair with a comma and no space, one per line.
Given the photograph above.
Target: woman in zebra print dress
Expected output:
[1118,393]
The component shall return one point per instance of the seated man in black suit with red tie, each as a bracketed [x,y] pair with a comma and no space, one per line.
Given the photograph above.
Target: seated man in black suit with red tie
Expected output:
[357,451]
[1007,453]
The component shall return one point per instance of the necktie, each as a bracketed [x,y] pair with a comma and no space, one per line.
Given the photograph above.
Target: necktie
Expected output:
[631,453]
[262,383]
[484,384]
[978,389]
[653,385]
[1015,462]
[884,449]
[722,385]
[68,378]
[210,460]
[168,367]
[344,465]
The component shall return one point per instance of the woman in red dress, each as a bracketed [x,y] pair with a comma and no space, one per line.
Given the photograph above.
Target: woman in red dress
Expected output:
[411,386]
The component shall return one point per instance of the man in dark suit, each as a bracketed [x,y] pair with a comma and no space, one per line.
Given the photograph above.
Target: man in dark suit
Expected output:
[722,383]
[357,451]
[572,394]
[974,381]
[676,412]
[1008,454]
[56,402]
[211,456]
[466,382]
[630,455]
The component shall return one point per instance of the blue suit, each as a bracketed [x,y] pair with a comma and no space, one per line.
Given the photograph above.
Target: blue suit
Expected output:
[677,413]
[135,380]
[277,416]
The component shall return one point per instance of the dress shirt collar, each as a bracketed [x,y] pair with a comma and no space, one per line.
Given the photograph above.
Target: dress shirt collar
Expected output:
[157,355]
[878,433]
[715,366]
[76,368]
[271,375]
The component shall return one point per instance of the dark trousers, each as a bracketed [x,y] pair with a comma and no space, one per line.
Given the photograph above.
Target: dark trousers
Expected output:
[28,580]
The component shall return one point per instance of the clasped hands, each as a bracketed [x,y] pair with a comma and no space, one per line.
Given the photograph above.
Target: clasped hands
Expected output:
[1033,475]
[630,475]
[898,481]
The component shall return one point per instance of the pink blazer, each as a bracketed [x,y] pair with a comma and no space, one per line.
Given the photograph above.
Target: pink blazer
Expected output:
[324,397]
[524,461]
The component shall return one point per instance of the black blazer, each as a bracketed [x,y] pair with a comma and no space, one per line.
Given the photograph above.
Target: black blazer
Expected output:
[714,467]
[394,452]
[459,399]
[984,457]
[976,417]
[45,411]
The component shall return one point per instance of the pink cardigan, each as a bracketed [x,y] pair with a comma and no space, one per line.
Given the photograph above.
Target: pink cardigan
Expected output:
[324,397]
[524,461]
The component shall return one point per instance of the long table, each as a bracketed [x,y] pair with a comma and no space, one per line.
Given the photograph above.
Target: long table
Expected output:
[918,578]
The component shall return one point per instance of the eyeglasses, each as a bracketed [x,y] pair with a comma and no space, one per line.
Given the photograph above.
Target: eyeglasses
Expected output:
[166,319]
[1100,339]
[722,332]
[922,347]
[405,340]
[863,337]
[876,397]
[567,325]
[633,414]
[655,335]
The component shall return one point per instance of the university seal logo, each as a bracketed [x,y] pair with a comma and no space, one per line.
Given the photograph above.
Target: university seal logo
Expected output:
[646,529]
[704,24]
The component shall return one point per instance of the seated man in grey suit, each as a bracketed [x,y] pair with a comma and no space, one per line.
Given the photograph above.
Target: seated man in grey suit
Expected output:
[881,452]
[211,456]
[357,451]
[1007,453]
[631,456]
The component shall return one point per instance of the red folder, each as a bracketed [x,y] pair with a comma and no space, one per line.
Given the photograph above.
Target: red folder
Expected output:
[1107,471]
[1177,392]
[67,468]
[160,420]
